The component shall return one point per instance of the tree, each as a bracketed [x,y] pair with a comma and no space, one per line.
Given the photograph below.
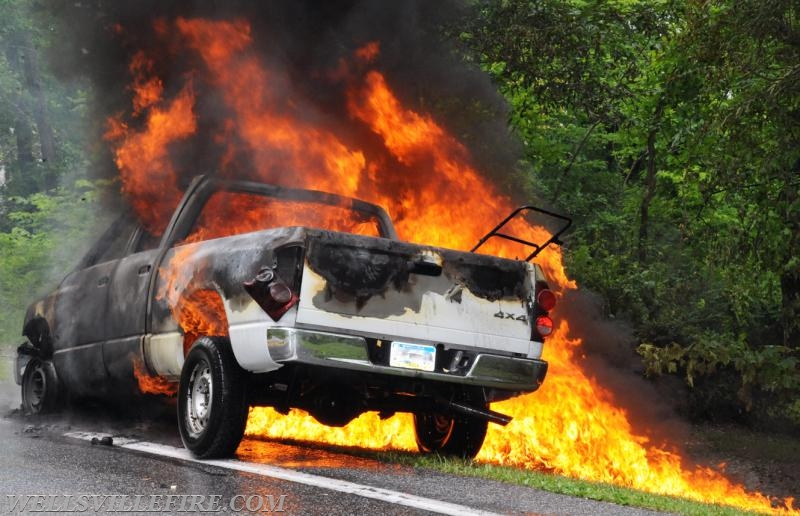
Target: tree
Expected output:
[669,131]
[46,207]
[30,99]
[751,51]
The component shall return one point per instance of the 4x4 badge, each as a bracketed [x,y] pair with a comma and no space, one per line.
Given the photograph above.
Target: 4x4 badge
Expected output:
[502,315]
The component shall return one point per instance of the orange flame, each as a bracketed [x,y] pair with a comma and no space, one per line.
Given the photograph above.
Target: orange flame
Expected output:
[147,88]
[424,177]
[368,52]
[148,177]
[254,213]
[152,384]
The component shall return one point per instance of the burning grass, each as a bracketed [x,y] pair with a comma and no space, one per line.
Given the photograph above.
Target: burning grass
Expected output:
[599,491]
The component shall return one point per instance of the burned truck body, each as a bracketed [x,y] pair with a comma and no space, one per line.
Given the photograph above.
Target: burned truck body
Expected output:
[257,295]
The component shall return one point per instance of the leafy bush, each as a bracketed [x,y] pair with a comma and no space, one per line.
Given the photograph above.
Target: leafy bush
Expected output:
[41,237]
[768,376]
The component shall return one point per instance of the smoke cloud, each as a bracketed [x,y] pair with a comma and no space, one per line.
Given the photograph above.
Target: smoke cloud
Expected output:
[609,357]
[306,40]
[9,391]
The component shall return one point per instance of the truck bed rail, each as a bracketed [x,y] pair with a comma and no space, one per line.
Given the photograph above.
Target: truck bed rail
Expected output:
[554,238]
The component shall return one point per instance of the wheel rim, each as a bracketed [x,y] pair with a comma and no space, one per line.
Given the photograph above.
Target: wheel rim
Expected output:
[35,388]
[434,430]
[198,399]
[442,424]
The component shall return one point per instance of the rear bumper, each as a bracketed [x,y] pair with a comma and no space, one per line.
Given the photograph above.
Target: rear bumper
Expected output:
[291,345]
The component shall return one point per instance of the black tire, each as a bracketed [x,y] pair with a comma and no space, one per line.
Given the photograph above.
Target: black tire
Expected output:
[212,399]
[40,388]
[432,431]
[458,436]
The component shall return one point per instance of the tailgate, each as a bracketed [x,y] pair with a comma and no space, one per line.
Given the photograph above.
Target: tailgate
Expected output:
[398,291]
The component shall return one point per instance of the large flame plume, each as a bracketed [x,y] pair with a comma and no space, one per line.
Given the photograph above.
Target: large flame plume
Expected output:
[403,160]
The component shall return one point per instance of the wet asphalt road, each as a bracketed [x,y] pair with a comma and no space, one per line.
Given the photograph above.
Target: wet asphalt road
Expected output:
[37,458]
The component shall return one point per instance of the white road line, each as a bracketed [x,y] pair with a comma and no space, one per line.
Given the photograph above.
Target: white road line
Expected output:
[290,475]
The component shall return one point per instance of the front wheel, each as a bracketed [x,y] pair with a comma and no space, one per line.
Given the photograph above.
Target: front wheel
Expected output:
[452,436]
[212,399]
[40,390]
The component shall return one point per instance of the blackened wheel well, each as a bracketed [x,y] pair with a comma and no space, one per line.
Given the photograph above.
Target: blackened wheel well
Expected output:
[37,330]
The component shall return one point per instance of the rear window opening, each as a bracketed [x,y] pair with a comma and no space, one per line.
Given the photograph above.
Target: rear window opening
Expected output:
[229,213]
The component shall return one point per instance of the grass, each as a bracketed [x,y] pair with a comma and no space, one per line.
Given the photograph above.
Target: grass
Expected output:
[557,484]
[538,480]
[717,438]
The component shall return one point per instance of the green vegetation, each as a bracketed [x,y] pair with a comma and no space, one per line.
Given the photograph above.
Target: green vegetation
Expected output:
[747,444]
[558,484]
[47,206]
[671,132]
[6,371]
[546,481]
[42,236]
[713,442]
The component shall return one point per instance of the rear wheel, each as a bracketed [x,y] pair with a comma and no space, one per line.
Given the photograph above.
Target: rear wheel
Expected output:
[212,399]
[39,387]
[453,436]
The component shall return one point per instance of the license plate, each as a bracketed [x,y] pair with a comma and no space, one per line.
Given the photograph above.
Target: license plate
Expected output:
[412,356]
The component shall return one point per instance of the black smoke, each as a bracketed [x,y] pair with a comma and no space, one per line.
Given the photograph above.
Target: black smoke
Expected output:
[424,66]
[608,356]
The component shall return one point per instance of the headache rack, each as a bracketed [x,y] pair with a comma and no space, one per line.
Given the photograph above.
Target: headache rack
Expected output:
[537,248]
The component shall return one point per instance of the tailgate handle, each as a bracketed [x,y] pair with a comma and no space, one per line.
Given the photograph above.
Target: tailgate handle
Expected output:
[424,266]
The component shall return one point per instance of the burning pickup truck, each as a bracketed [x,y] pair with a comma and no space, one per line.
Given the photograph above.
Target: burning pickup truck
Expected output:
[310,301]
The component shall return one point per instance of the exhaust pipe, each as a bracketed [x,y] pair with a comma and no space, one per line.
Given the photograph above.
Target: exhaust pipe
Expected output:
[490,415]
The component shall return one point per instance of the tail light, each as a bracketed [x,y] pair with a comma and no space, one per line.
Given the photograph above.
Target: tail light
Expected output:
[546,299]
[544,325]
[271,293]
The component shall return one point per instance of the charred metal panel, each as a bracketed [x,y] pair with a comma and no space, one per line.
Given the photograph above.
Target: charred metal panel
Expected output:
[128,293]
[400,291]
[80,325]
[81,307]
[224,265]
[118,357]
[37,327]
[356,273]
[82,370]
[356,269]
[490,280]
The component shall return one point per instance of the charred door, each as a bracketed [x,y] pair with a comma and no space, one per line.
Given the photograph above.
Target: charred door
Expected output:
[81,318]
[127,306]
